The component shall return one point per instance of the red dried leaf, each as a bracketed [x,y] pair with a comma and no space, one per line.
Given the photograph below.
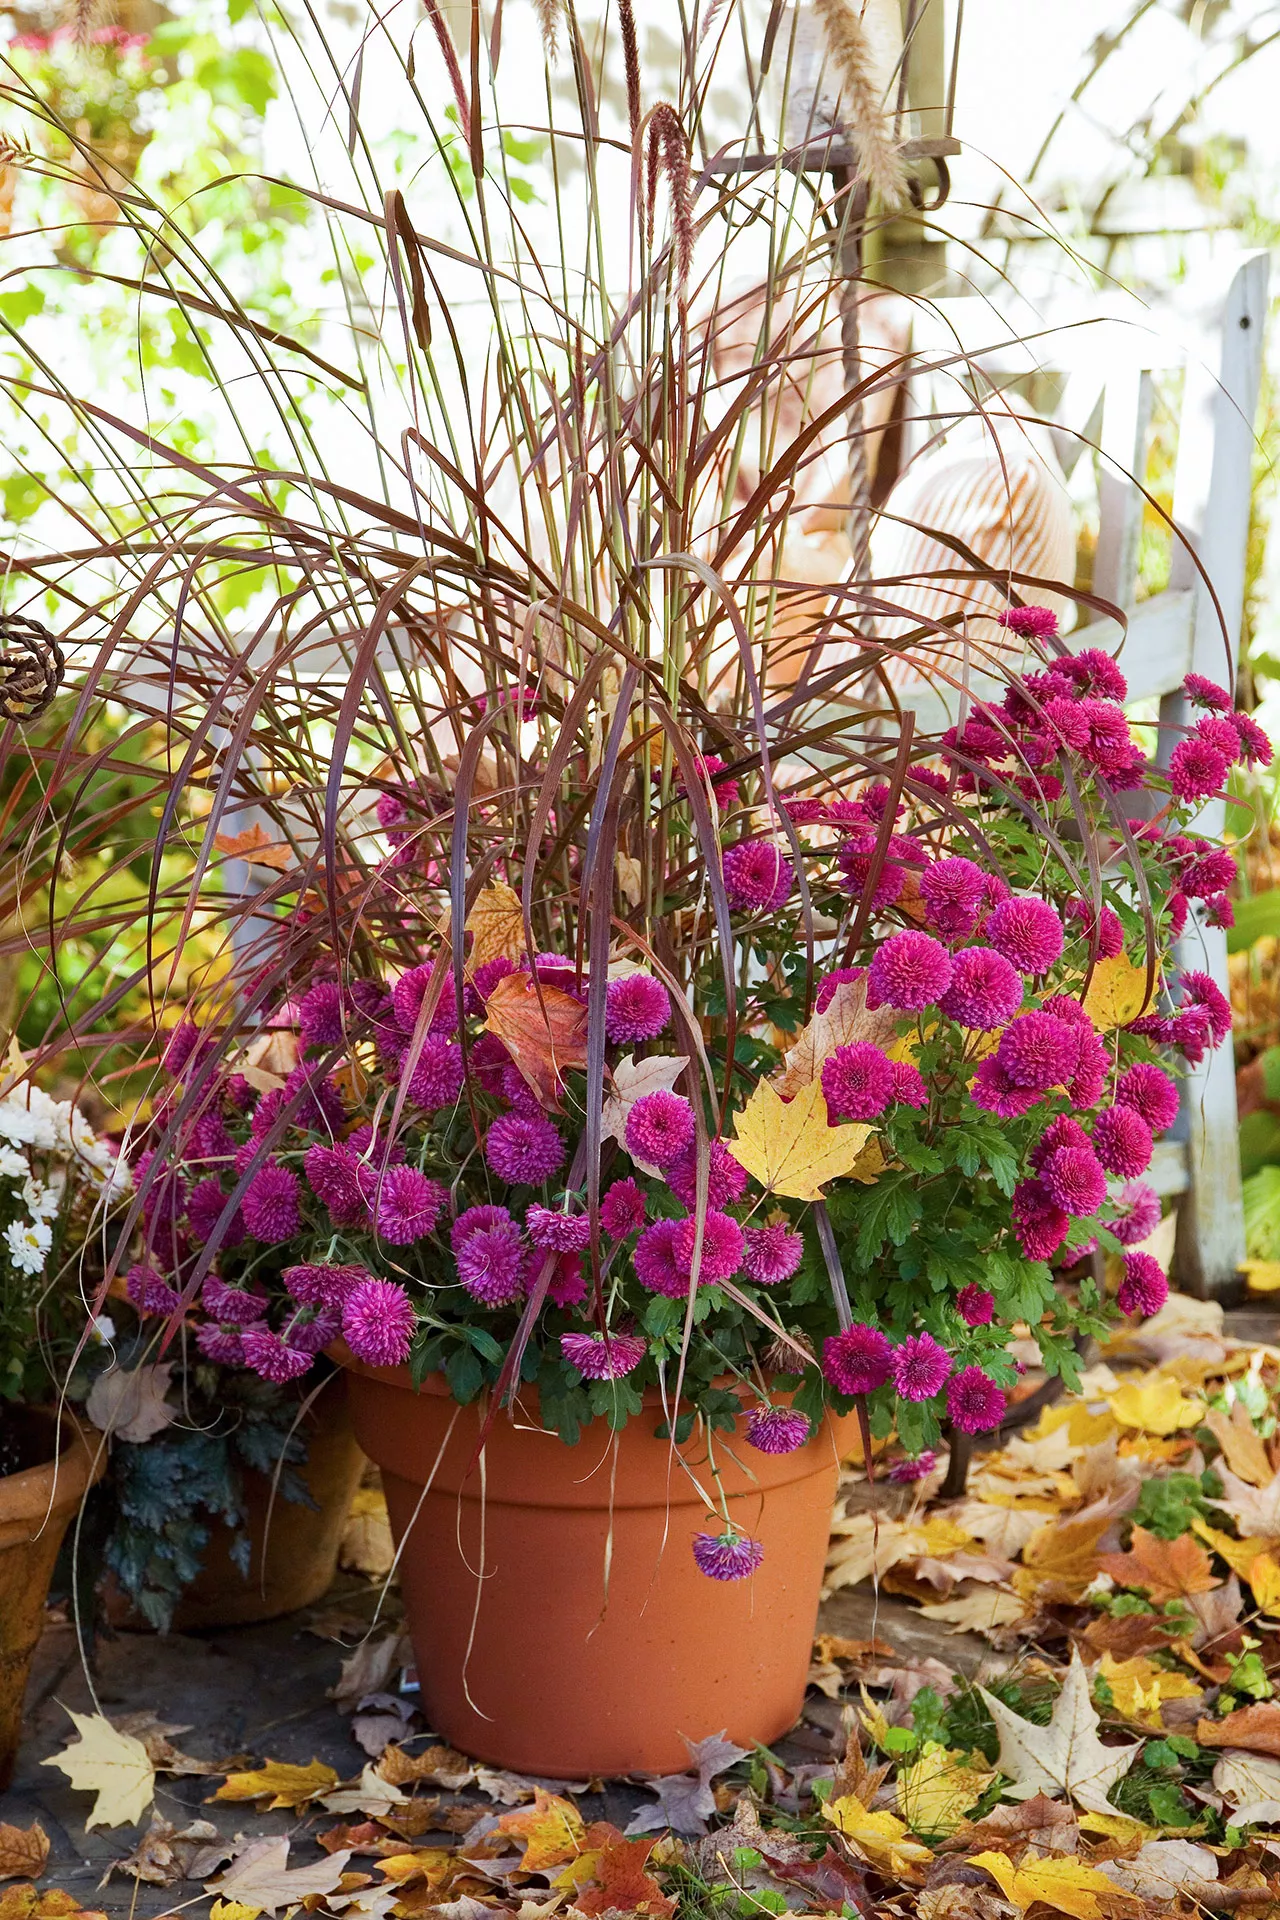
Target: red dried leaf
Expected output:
[544,1032]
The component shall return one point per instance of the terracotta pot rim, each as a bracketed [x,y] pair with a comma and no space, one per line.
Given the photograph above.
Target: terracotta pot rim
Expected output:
[54,1488]
[436,1385]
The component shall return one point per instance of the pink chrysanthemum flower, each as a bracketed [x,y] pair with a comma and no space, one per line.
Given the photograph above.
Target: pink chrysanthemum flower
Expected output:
[267,1355]
[622,1210]
[222,1345]
[181,1047]
[1067,720]
[1026,931]
[333,1175]
[317,1284]
[952,893]
[659,1127]
[985,991]
[977,742]
[149,1291]
[1038,1051]
[472,1219]
[928,778]
[391,811]
[1084,1089]
[857,1082]
[553,1231]
[408,994]
[831,982]
[1196,771]
[235,1306]
[1137,1214]
[919,1366]
[436,1081]
[492,1265]
[772,1254]
[210,1139]
[523,1149]
[568,1284]
[1102,929]
[904,1473]
[1213,871]
[655,1262]
[1218,733]
[320,1014]
[204,1210]
[975,1404]
[722,1247]
[1062,1132]
[975,1305]
[311,1329]
[240,1094]
[1074,1180]
[270,1204]
[407,1205]
[637,1007]
[1109,746]
[1095,673]
[1029,623]
[1255,745]
[727,1556]
[1200,990]
[1122,1141]
[314,1099]
[1151,1092]
[378,1323]
[856,871]
[857,1360]
[846,815]
[726,1178]
[1063,1007]
[1144,1288]
[1039,1222]
[992,1089]
[909,1089]
[757,877]
[875,798]
[804,812]
[603,1357]
[516,1091]
[1204,693]
[483,981]
[776,1430]
[909,972]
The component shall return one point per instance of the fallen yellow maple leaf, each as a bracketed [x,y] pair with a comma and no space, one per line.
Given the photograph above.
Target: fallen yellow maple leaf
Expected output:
[552,1830]
[1238,1554]
[1139,1687]
[496,925]
[1117,992]
[1116,1826]
[232,1910]
[279,1783]
[1264,1578]
[1069,1885]
[790,1146]
[115,1766]
[1155,1405]
[1263,1276]
[936,1791]
[881,1838]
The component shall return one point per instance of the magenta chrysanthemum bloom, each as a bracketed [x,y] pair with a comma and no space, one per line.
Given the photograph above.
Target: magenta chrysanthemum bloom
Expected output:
[975,1404]
[235,1306]
[378,1323]
[1255,745]
[239,1093]
[267,1355]
[1144,1288]
[1137,1214]
[1095,673]
[390,811]
[985,991]
[831,982]
[179,1047]
[408,994]
[803,812]
[992,1089]
[1122,1141]
[622,1209]
[757,878]
[637,1007]
[1038,1051]
[492,1265]
[1068,720]
[483,982]
[524,1149]
[1073,1179]
[568,1284]
[655,1262]
[919,1366]
[436,1081]
[311,1329]
[857,1082]
[473,1219]
[727,1556]
[1063,1007]
[659,1127]
[1109,746]
[320,1014]
[909,1089]
[1062,1132]
[909,972]
[210,1139]
[516,1091]
[776,1430]
[1213,871]
[319,1103]
[926,777]
[1196,771]
[848,815]
[772,1254]
[1039,1222]
[977,742]
[856,871]
[857,1360]
[722,1247]
[603,1357]
[1219,734]
[150,1292]
[726,1177]
[222,1345]
[317,1284]
[204,1210]
[1026,931]
[905,1473]
[1029,623]
[975,1305]
[875,799]
[1102,929]
[1199,990]
[553,1231]
[952,892]
[1204,693]
[270,1204]
[1084,1089]
[407,1205]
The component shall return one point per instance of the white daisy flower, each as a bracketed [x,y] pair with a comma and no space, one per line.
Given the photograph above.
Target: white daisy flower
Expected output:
[41,1201]
[13,1165]
[28,1242]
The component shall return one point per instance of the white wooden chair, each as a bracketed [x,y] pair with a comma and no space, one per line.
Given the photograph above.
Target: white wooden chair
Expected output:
[1110,353]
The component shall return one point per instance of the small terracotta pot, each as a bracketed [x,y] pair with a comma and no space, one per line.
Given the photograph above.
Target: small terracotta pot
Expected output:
[560,1624]
[35,1508]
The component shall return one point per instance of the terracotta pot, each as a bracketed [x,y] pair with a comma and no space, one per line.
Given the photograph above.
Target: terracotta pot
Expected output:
[559,1622]
[35,1506]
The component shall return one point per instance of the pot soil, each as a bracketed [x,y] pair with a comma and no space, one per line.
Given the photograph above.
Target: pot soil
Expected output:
[559,1622]
[51,1465]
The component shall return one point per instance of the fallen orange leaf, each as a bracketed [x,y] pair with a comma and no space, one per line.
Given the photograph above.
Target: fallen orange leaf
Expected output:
[1163,1569]
[544,1035]
[552,1830]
